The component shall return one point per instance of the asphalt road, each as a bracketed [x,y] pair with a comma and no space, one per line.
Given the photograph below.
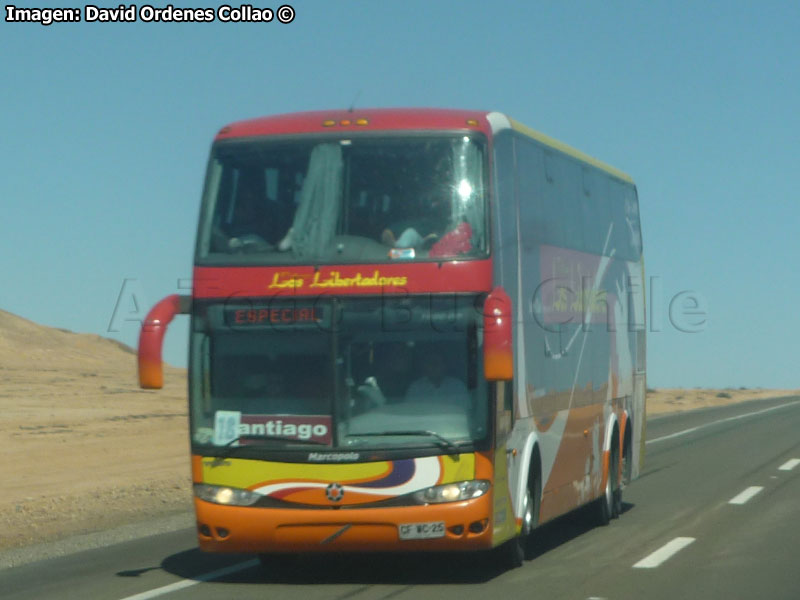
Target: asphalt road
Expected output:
[680,537]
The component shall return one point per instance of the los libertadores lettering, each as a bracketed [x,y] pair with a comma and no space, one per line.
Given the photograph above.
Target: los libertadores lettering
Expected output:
[146,13]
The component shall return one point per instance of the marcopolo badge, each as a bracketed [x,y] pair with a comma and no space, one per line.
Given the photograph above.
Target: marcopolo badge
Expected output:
[334,492]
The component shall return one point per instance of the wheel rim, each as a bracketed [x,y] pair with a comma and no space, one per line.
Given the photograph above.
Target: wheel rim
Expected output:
[527,515]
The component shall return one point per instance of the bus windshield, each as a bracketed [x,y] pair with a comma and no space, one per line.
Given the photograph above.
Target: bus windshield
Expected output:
[311,200]
[340,374]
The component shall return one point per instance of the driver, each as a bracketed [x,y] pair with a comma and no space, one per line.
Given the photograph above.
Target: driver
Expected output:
[423,226]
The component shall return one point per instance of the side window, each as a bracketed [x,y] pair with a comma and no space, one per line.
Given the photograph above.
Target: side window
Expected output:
[622,235]
[553,200]
[531,180]
[561,202]
[551,197]
[596,211]
[571,217]
[227,191]
[632,221]
[271,183]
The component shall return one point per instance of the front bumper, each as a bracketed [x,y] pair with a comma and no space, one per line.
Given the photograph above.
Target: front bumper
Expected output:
[468,526]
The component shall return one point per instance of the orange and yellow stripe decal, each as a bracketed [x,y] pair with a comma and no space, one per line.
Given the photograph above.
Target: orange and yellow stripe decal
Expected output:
[363,482]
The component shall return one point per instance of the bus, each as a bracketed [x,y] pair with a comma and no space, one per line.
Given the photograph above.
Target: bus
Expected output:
[411,330]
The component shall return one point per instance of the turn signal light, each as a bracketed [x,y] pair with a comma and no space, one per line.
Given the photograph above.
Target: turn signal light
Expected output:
[498,354]
[345,122]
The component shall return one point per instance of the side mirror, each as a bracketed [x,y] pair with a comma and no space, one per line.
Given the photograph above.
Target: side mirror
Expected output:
[498,350]
[151,338]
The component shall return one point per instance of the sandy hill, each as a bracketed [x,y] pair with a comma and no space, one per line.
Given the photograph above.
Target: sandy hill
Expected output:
[79,436]
[22,342]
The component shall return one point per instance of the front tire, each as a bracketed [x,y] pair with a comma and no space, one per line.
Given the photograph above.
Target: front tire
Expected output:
[512,553]
[515,551]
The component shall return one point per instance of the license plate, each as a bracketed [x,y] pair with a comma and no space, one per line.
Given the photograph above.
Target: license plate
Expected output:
[421,531]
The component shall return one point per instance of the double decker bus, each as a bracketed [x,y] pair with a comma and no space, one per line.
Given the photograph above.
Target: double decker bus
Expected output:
[411,330]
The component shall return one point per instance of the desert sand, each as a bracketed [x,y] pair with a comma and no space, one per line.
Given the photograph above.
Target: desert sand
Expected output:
[84,449]
[670,400]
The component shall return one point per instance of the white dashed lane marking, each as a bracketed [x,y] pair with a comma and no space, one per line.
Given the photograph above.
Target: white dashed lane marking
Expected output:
[666,551]
[746,495]
[789,464]
[184,583]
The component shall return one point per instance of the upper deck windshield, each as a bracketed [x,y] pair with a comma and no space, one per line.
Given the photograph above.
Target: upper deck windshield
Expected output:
[363,199]
[346,375]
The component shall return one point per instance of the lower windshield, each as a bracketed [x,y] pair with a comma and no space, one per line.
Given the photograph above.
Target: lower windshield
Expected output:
[326,200]
[339,374]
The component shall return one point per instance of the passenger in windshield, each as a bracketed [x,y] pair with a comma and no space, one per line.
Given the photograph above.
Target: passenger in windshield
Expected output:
[388,381]
[392,382]
[421,226]
[431,229]
[424,215]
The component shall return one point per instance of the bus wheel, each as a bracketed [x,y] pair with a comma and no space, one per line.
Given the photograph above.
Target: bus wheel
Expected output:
[531,516]
[627,457]
[609,505]
[514,552]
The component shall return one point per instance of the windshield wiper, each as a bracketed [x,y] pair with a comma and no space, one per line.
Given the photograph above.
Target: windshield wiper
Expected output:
[229,446]
[450,445]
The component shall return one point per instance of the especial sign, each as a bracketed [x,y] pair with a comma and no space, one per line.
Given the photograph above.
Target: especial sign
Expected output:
[278,316]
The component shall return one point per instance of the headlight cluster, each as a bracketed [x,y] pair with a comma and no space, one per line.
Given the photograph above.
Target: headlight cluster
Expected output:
[452,492]
[225,495]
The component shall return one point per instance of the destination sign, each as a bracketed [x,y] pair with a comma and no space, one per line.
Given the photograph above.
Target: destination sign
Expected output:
[276,316]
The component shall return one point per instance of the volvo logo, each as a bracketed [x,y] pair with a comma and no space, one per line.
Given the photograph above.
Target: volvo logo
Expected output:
[334,492]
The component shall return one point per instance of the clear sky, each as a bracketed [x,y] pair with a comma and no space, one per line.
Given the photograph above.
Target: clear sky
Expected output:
[106,128]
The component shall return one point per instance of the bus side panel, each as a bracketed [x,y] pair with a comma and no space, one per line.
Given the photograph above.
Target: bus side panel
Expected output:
[559,392]
[580,320]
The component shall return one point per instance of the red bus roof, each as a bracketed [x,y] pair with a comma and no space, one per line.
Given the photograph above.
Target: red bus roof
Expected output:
[382,119]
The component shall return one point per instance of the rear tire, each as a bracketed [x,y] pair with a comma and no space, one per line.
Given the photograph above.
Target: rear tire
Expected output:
[627,457]
[609,505]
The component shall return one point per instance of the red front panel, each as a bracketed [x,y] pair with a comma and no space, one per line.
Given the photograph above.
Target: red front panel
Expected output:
[447,277]
[358,121]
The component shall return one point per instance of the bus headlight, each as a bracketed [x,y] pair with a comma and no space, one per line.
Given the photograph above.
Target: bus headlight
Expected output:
[219,494]
[452,492]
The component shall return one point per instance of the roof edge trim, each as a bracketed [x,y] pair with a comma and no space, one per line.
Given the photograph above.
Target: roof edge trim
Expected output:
[560,146]
[498,121]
